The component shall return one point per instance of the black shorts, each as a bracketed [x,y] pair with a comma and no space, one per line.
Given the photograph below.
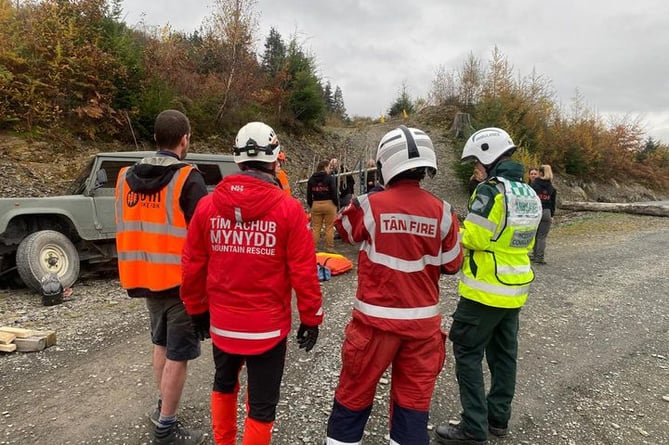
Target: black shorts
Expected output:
[171,328]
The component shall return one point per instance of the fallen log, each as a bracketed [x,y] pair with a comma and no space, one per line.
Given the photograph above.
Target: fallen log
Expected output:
[638,208]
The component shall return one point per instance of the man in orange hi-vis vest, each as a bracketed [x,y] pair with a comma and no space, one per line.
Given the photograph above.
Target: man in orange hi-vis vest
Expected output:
[155,200]
[281,175]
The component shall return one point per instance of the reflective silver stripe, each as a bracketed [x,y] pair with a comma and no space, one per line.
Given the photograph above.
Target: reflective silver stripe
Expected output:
[398,263]
[367,216]
[446,220]
[446,223]
[363,200]
[348,228]
[246,335]
[514,270]
[507,291]
[157,258]
[121,194]
[319,311]
[392,442]
[331,441]
[238,215]
[157,228]
[481,222]
[169,193]
[393,313]
[448,256]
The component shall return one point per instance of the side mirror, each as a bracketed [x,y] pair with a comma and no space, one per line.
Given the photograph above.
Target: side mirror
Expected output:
[100,178]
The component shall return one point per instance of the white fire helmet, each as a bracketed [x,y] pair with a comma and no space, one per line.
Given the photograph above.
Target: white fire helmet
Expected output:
[403,149]
[256,141]
[488,145]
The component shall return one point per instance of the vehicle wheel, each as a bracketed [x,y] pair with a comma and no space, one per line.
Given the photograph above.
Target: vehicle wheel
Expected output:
[44,252]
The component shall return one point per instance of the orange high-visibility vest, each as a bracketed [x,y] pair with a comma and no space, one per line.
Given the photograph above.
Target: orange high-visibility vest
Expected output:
[282,177]
[150,234]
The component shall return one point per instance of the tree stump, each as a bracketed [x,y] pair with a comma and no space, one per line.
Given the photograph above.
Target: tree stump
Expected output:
[462,125]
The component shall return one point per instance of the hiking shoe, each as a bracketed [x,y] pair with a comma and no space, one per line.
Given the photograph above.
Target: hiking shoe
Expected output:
[454,435]
[178,435]
[154,416]
[498,431]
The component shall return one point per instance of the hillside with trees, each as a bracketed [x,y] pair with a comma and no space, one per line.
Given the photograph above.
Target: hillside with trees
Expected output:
[73,70]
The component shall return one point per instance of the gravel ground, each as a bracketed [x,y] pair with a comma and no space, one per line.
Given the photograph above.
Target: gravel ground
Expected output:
[593,363]
[594,354]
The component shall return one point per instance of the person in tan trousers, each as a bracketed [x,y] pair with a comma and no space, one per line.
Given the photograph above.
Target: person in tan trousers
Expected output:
[322,198]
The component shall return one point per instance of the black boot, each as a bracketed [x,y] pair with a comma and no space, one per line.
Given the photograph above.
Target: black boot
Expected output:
[454,435]
[499,431]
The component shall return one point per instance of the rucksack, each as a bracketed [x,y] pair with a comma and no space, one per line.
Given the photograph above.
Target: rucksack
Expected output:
[324,274]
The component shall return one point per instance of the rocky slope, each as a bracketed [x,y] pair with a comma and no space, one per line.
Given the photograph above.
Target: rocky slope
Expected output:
[40,168]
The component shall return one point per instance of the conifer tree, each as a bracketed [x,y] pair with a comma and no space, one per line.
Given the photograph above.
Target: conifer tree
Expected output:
[338,107]
[274,56]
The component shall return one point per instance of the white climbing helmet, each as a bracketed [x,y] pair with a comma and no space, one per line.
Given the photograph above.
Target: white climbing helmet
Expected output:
[256,141]
[488,145]
[404,149]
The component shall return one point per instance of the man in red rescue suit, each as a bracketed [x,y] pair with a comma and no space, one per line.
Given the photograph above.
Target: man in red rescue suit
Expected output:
[248,247]
[155,199]
[499,232]
[409,237]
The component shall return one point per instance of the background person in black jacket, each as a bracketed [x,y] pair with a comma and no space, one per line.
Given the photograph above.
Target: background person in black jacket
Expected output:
[547,193]
[322,199]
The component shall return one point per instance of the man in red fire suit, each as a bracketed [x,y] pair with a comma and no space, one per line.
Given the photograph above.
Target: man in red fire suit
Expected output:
[409,237]
[248,246]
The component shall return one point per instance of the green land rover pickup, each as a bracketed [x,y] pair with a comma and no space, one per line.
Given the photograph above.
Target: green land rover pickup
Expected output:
[59,233]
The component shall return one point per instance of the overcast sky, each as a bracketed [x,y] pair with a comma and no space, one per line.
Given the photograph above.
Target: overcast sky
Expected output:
[613,52]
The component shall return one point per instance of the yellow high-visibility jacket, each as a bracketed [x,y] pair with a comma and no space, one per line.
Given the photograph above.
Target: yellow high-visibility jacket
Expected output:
[498,234]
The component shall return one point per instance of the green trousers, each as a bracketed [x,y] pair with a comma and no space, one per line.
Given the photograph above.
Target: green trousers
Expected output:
[477,330]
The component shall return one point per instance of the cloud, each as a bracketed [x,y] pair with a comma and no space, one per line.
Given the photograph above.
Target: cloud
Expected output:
[613,53]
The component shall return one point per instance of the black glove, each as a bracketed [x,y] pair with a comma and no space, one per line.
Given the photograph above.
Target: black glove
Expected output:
[307,336]
[200,324]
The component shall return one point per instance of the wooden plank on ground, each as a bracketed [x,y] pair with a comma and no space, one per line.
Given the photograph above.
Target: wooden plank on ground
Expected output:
[30,344]
[19,332]
[37,342]
[8,348]
[50,337]
[6,338]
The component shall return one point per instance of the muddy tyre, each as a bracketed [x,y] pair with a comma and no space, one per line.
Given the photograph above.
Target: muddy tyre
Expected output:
[47,251]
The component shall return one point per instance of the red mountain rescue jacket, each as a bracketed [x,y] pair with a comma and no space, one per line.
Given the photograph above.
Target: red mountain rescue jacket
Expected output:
[248,246]
[409,237]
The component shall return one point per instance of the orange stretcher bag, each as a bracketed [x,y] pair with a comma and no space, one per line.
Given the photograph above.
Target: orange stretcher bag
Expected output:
[338,264]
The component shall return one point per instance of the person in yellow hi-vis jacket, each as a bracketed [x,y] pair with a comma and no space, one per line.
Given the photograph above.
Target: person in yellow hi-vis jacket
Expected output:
[499,232]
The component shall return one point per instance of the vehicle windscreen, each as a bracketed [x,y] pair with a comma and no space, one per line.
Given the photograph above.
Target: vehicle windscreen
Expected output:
[79,184]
